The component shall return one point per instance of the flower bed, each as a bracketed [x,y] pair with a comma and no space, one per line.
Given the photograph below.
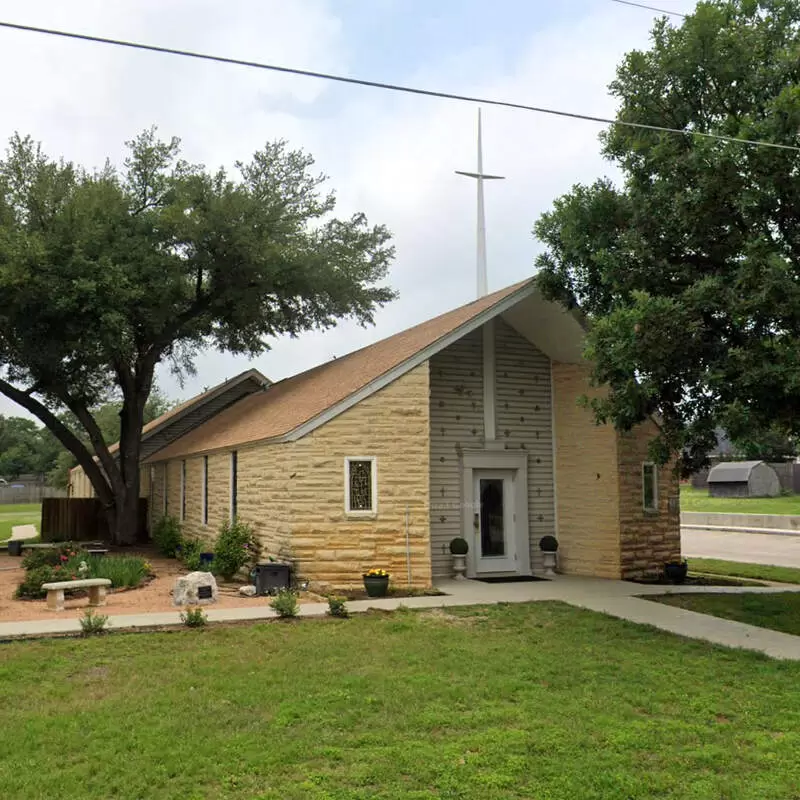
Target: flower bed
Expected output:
[68,563]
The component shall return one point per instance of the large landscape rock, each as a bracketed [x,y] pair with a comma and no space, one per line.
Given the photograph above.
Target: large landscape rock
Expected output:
[187,591]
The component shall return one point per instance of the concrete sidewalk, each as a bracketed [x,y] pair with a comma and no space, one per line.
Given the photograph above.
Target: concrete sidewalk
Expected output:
[616,598]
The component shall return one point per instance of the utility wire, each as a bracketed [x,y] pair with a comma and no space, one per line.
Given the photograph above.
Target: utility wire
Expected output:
[387,86]
[650,8]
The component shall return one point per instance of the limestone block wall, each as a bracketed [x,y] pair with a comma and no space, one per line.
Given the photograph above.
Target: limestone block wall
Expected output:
[331,548]
[648,539]
[155,504]
[587,482]
[263,495]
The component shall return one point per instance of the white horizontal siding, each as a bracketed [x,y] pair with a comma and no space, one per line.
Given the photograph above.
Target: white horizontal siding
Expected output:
[456,391]
[522,380]
[524,422]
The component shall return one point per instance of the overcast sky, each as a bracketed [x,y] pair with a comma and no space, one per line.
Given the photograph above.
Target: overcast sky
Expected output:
[389,155]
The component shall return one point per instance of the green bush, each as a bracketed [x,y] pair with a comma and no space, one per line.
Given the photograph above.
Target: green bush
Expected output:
[190,554]
[167,536]
[122,571]
[285,603]
[236,547]
[49,556]
[93,623]
[71,564]
[337,607]
[194,617]
[31,586]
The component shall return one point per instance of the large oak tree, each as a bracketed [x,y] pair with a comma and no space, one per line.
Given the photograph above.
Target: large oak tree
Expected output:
[105,274]
[689,270]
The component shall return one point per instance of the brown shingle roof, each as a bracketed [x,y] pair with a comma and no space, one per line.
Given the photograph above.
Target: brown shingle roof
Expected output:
[289,403]
[181,407]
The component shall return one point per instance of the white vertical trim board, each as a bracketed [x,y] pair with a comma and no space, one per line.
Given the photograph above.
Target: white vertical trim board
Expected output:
[372,512]
[164,486]
[555,449]
[489,382]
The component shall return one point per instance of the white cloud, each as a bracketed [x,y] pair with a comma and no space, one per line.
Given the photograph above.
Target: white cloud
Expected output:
[390,155]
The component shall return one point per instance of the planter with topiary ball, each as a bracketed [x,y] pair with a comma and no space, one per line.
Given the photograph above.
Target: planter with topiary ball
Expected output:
[459,549]
[549,547]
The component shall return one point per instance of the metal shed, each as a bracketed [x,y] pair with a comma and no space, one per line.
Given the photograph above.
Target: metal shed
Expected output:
[743,479]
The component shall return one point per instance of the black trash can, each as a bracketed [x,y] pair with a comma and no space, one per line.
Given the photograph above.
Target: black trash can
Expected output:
[271,577]
[15,547]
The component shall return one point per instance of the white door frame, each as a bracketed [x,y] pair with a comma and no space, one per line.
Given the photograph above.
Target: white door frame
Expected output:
[515,461]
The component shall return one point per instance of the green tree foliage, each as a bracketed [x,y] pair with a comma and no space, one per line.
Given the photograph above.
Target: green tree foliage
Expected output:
[25,448]
[771,444]
[689,272]
[106,274]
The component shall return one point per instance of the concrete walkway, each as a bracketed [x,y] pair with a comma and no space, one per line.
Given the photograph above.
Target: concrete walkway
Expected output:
[754,548]
[616,598]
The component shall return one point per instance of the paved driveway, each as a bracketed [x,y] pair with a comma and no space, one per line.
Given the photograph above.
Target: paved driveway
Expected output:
[756,548]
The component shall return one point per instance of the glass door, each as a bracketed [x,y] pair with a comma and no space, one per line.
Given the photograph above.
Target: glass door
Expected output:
[495,549]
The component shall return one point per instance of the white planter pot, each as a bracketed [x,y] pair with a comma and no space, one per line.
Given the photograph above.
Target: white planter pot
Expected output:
[459,567]
[549,561]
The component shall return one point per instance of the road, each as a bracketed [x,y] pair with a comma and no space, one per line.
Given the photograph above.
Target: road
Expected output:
[756,548]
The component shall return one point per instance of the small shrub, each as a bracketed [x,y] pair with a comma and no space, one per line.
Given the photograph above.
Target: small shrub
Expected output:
[93,623]
[122,571]
[459,546]
[167,536]
[190,554]
[194,617]
[285,603]
[236,547]
[337,607]
[548,544]
[31,586]
[34,559]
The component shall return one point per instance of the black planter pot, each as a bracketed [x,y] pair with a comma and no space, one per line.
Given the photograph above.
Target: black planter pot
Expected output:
[15,547]
[376,585]
[676,571]
[206,559]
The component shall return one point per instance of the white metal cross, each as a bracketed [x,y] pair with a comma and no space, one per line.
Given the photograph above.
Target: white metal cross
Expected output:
[481,176]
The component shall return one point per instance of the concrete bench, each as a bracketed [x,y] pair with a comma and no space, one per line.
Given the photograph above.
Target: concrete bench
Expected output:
[96,587]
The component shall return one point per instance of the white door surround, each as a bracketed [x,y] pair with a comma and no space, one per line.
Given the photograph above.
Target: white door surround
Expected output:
[511,468]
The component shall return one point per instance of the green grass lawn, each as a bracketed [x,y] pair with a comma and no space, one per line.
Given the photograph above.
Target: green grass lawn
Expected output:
[515,701]
[698,500]
[780,612]
[714,566]
[19,514]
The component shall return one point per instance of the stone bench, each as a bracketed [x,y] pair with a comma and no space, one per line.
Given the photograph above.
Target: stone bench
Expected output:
[96,587]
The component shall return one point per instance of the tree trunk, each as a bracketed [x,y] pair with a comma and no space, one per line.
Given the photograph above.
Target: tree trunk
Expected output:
[126,520]
[135,395]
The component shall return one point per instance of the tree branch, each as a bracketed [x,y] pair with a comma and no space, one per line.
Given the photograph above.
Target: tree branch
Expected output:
[65,436]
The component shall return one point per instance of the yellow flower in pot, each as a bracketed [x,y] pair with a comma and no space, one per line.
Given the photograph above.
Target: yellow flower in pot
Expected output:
[376,582]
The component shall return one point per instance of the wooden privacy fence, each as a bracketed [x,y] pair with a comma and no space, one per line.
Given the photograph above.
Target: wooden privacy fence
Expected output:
[81,519]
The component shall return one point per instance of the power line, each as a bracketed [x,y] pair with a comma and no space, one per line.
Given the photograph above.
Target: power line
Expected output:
[387,86]
[650,8]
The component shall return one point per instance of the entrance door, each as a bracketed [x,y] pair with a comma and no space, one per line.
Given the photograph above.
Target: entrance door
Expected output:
[495,542]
